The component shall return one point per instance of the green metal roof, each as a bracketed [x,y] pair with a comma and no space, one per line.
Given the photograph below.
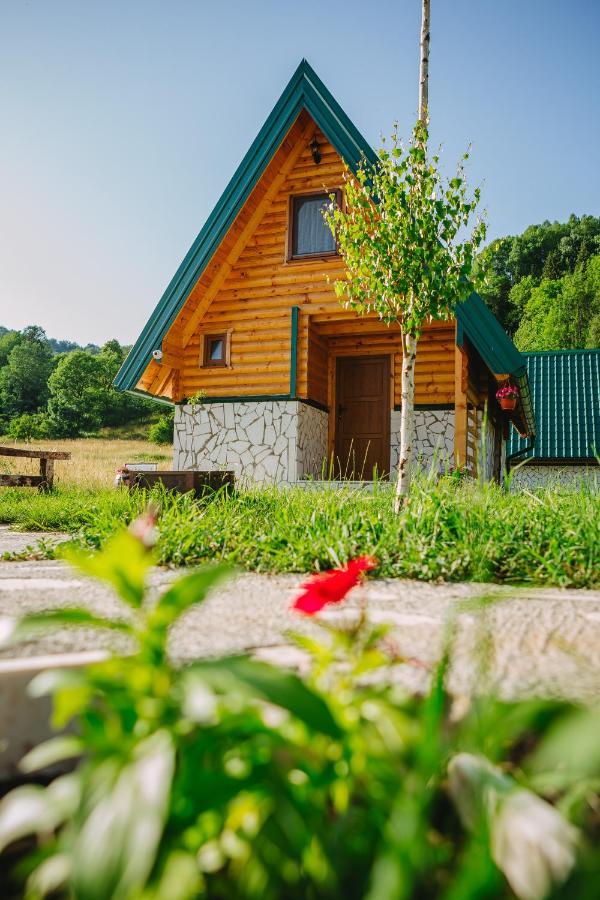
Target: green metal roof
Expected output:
[475,321]
[305,90]
[485,332]
[565,386]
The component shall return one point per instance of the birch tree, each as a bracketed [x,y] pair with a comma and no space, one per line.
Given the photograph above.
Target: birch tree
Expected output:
[404,236]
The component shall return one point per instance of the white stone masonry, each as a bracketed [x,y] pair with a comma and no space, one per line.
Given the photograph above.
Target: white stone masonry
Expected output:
[434,438]
[260,440]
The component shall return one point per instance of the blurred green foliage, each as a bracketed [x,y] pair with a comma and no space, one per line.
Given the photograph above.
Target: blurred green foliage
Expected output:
[230,778]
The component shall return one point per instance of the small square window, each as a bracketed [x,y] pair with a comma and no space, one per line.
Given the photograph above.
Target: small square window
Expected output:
[215,350]
[309,233]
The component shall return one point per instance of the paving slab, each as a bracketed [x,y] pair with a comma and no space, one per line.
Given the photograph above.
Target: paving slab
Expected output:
[536,641]
[19,541]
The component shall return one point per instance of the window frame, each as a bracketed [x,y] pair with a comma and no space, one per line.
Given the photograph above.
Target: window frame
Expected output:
[321,254]
[207,362]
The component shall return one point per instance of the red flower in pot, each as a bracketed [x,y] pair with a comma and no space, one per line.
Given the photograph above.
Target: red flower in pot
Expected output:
[507,396]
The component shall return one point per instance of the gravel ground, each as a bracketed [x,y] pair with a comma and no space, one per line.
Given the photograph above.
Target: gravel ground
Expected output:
[536,641]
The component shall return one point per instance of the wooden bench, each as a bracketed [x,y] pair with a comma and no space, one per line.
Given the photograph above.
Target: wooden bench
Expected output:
[45,480]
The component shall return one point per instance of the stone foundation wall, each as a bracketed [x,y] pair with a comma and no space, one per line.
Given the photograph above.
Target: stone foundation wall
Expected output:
[263,441]
[284,441]
[531,476]
[255,439]
[434,438]
[311,446]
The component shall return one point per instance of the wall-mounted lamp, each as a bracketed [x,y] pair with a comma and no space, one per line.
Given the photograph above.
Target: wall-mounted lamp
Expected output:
[314,149]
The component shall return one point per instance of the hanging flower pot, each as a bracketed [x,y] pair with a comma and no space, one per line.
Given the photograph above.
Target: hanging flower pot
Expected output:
[508,396]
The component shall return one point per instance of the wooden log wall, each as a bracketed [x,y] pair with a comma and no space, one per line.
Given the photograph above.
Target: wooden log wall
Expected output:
[256,297]
[249,288]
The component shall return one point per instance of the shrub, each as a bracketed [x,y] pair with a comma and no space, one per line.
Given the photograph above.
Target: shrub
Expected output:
[29,427]
[233,779]
[161,431]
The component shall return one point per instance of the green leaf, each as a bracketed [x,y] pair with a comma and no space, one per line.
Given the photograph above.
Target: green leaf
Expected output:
[123,563]
[52,874]
[180,878]
[38,623]
[49,681]
[57,749]
[116,844]
[36,810]
[26,810]
[274,685]
[571,750]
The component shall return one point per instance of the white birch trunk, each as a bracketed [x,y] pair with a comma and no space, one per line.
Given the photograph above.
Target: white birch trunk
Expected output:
[409,342]
[424,64]
[407,419]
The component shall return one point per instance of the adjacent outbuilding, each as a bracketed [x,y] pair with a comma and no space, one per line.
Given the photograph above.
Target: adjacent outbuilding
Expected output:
[565,387]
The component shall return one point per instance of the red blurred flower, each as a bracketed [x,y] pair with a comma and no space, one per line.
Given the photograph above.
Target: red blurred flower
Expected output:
[332,586]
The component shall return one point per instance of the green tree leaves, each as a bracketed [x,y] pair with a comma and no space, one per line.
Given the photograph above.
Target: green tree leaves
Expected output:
[559,314]
[547,252]
[401,235]
[47,394]
[24,378]
[77,397]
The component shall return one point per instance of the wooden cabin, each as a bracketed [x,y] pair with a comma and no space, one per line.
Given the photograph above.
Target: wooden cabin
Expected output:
[285,383]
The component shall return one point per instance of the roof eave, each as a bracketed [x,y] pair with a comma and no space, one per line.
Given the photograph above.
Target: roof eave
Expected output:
[478,323]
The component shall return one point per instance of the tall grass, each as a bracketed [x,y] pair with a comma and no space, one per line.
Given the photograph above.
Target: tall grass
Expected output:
[448,531]
[93,460]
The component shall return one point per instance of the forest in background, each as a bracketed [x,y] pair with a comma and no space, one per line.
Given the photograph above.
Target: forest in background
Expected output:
[57,389]
[543,285]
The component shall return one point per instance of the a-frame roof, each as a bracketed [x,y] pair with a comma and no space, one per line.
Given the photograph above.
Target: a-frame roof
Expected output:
[305,90]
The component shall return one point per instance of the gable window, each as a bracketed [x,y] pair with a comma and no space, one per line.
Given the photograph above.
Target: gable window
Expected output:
[309,234]
[216,350]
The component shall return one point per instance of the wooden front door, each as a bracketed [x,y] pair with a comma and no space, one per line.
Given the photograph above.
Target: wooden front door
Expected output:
[362,420]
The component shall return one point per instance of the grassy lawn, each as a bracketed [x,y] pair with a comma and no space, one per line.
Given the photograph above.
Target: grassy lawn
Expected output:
[448,531]
[93,460]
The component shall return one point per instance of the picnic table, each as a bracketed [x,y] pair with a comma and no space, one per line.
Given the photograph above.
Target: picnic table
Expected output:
[45,479]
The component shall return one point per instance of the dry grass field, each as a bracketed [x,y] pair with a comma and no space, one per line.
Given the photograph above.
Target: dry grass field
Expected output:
[93,460]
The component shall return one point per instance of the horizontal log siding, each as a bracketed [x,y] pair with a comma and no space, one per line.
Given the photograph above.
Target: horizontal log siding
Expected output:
[249,288]
[256,297]
[317,367]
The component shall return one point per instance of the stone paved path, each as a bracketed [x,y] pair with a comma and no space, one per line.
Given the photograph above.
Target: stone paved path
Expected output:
[538,641]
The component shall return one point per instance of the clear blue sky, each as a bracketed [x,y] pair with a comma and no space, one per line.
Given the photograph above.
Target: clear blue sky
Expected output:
[123,120]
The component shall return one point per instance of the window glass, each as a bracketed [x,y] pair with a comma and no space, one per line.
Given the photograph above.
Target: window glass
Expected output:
[216,349]
[310,233]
